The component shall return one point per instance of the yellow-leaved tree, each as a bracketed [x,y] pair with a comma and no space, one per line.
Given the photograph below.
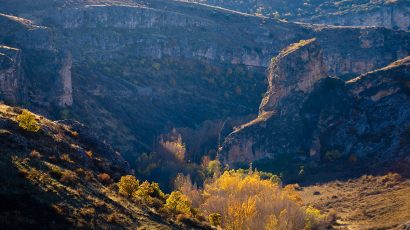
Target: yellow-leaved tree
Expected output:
[128,185]
[27,121]
[246,201]
[177,202]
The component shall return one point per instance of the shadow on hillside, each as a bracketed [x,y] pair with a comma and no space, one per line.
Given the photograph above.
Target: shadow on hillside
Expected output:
[344,171]
[311,173]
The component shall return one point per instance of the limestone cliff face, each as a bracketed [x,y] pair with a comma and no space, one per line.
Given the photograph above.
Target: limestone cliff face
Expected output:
[295,69]
[64,82]
[344,47]
[378,120]
[394,16]
[292,76]
[10,73]
[132,17]
[380,13]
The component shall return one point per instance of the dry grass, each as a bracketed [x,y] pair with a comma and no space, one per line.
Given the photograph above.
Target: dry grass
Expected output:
[369,202]
[296,46]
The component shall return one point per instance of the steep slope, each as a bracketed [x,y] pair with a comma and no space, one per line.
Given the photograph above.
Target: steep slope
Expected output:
[142,69]
[382,13]
[58,178]
[365,119]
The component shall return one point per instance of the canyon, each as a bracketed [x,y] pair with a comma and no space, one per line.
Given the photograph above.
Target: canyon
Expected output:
[134,71]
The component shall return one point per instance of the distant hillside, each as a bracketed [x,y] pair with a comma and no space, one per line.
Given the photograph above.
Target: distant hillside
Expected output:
[393,14]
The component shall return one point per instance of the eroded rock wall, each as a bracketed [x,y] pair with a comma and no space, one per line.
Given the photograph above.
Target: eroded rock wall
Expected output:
[10,74]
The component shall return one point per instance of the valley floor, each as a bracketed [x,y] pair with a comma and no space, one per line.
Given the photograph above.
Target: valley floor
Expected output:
[369,202]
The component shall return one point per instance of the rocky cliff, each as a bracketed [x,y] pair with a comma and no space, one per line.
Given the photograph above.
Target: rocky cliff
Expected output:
[393,16]
[292,76]
[295,69]
[10,74]
[64,82]
[364,118]
[380,13]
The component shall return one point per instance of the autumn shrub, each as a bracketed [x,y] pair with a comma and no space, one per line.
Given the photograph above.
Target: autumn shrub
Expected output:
[314,219]
[215,219]
[88,212]
[89,154]
[104,178]
[246,201]
[80,172]
[113,218]
[35,154]
[128,185]
[56,172]
[178,203]
[66,157]
[69,177]
[87,175]
[144,190]
[27,121]
[157,192]
[74,134]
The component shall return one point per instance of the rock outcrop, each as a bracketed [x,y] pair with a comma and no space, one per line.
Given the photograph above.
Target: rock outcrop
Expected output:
[64,82]
[295,69]
[292,76]
[393,16]
[10,74]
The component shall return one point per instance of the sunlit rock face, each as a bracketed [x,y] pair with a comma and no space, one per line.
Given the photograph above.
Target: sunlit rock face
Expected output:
[306,114]
[295,69]
[393,16]
[64,82]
